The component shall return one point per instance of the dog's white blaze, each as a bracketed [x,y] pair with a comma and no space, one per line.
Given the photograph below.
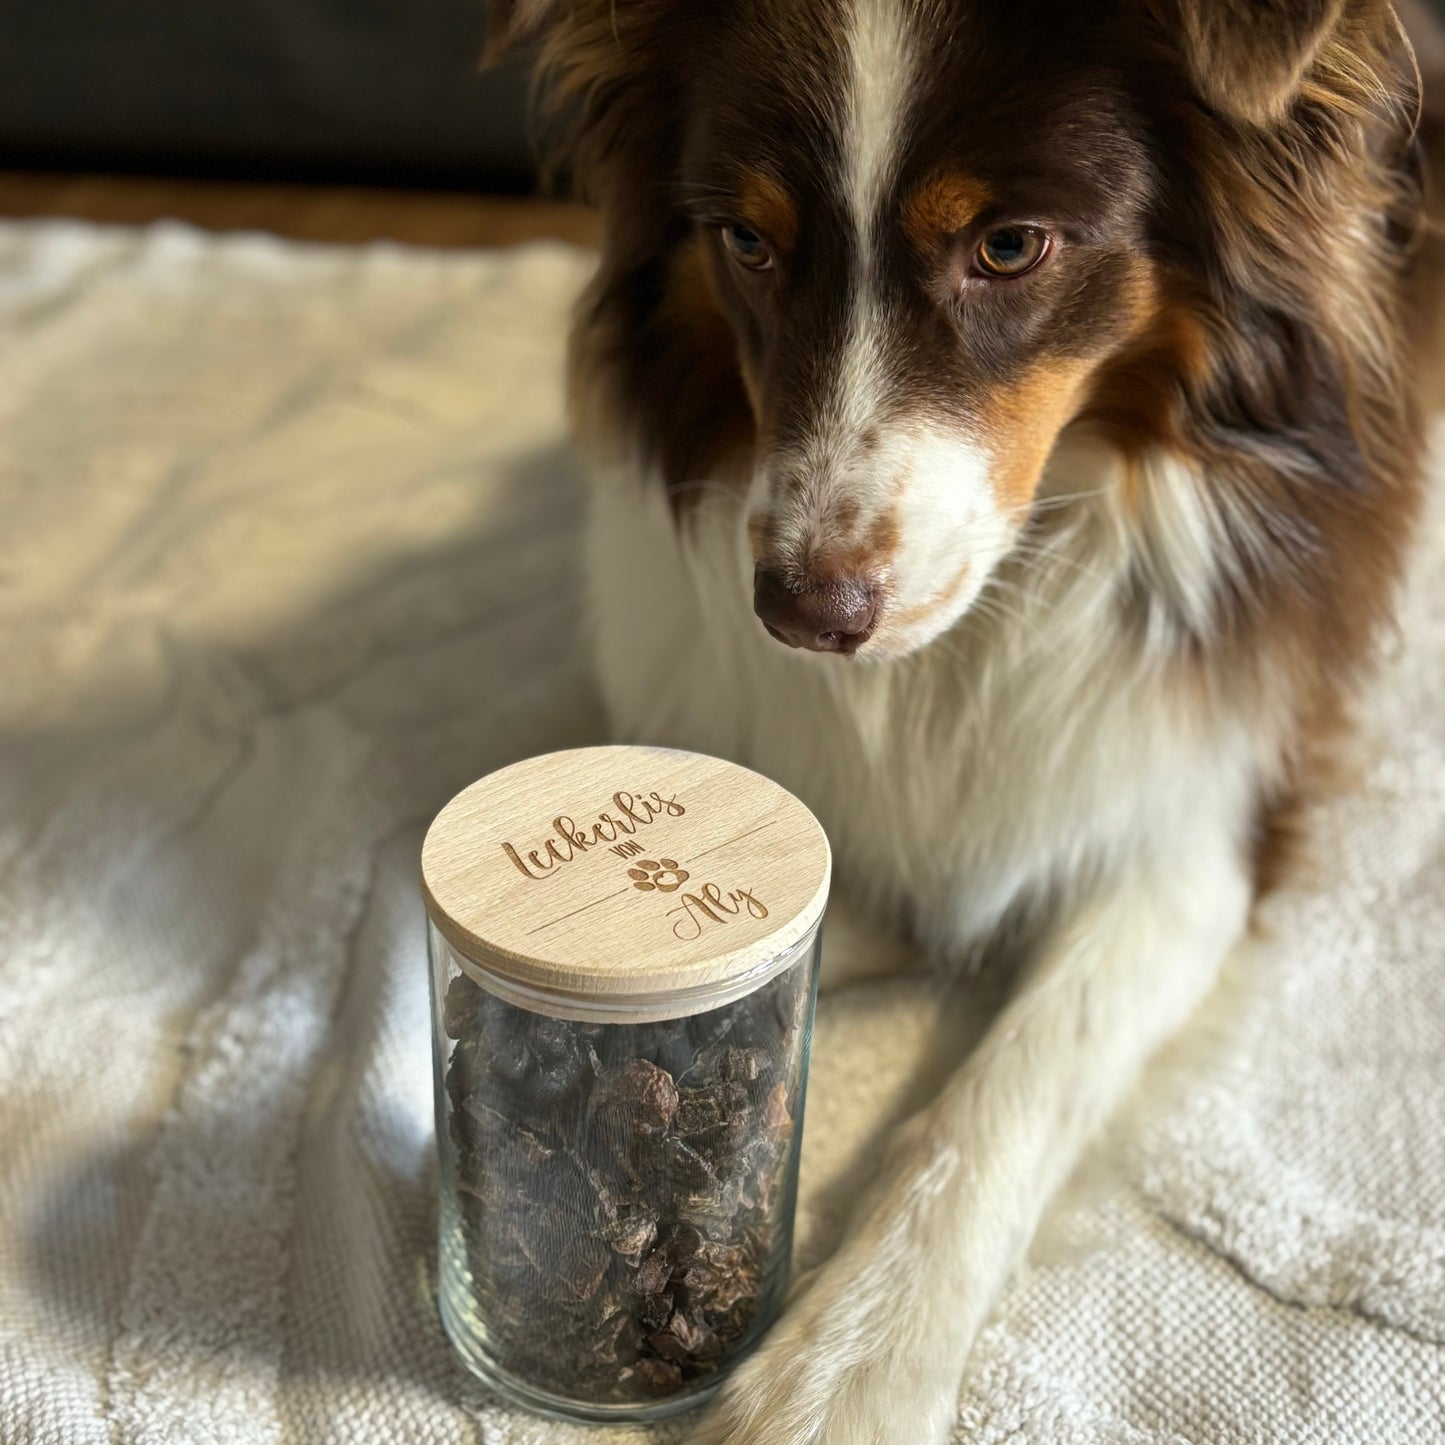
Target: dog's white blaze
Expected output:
[881,68]
[881,62]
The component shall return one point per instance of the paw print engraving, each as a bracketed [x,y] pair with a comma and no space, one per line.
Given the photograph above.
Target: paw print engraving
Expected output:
[664,875]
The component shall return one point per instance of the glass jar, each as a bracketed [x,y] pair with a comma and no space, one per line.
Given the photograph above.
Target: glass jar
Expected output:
[624,947]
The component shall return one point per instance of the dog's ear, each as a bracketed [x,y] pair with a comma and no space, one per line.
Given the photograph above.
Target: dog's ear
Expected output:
[605,82]
[1248,57]
[511,23]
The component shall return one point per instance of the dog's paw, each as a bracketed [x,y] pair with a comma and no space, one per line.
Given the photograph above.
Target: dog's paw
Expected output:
[837,1372]
[798,1400]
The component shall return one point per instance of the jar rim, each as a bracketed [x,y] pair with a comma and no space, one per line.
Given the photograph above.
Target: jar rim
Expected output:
[581,1007]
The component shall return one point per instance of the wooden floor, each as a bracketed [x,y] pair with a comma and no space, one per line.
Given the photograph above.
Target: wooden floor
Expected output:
[342,214]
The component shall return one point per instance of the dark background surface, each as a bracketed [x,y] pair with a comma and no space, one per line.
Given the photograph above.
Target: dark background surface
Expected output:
[383,91]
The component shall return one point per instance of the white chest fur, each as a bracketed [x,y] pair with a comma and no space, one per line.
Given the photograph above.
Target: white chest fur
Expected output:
[1039,744]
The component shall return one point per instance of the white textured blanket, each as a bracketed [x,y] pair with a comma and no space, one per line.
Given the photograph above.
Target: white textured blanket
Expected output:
[287,556]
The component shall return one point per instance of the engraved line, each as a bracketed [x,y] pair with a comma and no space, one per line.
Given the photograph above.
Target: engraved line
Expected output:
[574,912]
[731,841]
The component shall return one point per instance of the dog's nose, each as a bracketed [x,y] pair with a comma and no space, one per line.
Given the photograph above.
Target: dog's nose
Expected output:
[836,615]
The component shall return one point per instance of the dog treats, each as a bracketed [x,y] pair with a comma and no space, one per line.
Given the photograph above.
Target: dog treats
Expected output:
[624,952]
[618,1186]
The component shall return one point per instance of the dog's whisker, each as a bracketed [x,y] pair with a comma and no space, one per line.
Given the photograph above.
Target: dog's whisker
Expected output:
[1050,556]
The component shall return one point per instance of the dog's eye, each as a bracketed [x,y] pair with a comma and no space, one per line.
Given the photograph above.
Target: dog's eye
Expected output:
[747,248]
[1011,250]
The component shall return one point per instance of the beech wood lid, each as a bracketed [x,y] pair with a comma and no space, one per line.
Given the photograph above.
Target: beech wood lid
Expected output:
[624,882]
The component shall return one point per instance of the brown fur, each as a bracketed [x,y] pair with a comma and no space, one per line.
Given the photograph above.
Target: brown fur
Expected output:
[1304,409]
[854,554]
[1248,57]
[1027,419]
[769,209]
[944,204]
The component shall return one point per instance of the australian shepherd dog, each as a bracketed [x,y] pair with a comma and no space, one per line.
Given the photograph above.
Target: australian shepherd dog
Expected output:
[1004,425]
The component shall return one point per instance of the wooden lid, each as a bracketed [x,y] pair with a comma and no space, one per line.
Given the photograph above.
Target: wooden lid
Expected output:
[624,882]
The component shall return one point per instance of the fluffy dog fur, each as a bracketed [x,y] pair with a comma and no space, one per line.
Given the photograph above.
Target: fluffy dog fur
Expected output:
[1129,521]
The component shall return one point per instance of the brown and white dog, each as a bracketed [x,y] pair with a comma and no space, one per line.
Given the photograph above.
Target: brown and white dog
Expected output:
[1004,439]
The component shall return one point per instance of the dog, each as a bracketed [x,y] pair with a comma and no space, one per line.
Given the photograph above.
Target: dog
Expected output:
[1005,435]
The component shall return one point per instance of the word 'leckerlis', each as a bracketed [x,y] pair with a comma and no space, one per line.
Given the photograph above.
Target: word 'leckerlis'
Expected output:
[629,812]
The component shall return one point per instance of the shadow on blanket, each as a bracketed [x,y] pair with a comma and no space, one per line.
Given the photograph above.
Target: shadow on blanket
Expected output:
[255,797]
